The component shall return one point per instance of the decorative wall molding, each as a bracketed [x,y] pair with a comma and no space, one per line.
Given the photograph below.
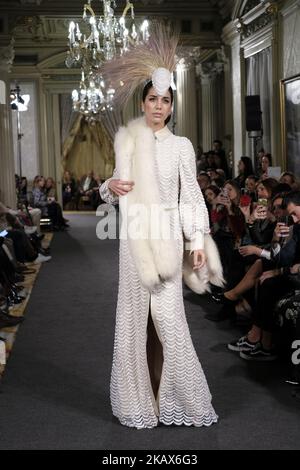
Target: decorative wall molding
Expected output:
[209,70]
[291,7]
[255,15]
[7,55]
[31,2]
[258,41]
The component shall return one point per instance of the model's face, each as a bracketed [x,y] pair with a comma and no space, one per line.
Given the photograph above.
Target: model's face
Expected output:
[157,108]
[250,185]
[294,211]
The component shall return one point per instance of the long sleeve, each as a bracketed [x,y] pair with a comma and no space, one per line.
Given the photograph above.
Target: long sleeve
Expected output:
[192,208]
[39,198]
[289,253]
[106,194]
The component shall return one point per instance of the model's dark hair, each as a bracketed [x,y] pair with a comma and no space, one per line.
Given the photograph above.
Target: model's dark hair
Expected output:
[146,91]
[248,166]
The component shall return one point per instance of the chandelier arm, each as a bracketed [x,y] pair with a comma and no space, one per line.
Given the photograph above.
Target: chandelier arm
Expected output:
[129,5]
[89,8]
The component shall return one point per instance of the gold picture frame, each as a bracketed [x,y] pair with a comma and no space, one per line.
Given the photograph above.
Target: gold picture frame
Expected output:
[290,123]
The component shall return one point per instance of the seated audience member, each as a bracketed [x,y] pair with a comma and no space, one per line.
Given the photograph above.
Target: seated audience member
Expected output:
[202,163]
[266,188]
[245,169]
[22,194]
[210,159]
[220,157]
[250,186]
[215,177]
[266,161]
[203,180]
[260,154]
[235,294]
[85,188]
[68,188]
[95,196]
[274,284]
[290,179]
[228,226]
[26,248]
[48,205]
[210,196]
[50,189]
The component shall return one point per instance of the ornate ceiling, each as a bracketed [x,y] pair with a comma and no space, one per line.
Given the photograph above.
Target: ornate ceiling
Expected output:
[67,7]
[40,27]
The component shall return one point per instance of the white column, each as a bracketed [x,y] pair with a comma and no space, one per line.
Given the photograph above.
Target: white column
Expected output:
[7,167]
[208,127]
[57,147]
[228,121]
[186,103]
[232,38]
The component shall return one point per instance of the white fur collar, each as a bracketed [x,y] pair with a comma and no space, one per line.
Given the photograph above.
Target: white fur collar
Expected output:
[156,259]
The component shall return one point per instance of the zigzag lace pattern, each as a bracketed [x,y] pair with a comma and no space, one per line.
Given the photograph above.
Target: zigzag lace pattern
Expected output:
[184,396]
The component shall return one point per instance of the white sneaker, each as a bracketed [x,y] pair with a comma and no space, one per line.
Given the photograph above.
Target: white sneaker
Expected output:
[42,259]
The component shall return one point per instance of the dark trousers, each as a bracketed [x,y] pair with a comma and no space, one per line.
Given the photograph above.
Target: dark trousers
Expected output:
[55,214]
[268,294]
[23,248]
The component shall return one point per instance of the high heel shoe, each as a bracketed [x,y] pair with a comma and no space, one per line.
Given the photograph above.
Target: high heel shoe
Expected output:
[221,299]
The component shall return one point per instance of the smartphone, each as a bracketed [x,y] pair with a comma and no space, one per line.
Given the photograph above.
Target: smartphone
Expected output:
[245,200]
[286,220]
[224,192]
[3,233]
[262,202]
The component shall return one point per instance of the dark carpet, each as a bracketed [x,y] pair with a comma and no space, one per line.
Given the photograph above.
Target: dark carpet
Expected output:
[55,391]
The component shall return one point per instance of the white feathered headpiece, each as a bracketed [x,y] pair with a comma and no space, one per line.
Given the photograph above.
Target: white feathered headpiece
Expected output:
[154,60]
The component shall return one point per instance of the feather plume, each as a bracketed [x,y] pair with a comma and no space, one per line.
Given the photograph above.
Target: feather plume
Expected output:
[127,72]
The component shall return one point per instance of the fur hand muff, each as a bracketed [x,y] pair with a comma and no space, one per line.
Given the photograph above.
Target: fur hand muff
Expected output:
[198,280]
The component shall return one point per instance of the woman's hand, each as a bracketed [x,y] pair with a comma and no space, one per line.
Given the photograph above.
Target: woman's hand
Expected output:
[268,274]
[199,259]
[260,212]
[249,250]
[245,211]
[120,187]
[281,230]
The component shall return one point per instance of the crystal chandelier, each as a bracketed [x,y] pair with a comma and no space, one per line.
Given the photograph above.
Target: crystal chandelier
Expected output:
[102,39]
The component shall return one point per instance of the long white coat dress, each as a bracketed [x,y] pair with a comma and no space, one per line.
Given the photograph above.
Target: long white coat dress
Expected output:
[183,396]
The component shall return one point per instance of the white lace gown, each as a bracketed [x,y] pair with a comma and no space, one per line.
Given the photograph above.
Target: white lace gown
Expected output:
[183,396]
